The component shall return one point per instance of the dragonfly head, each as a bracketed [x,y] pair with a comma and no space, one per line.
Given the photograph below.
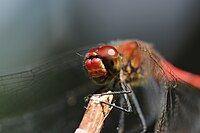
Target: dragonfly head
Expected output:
[103,64]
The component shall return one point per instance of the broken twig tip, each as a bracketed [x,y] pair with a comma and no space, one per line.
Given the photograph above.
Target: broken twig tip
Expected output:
[95,114]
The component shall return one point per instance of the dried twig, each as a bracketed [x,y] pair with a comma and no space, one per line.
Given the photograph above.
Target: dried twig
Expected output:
[95,114]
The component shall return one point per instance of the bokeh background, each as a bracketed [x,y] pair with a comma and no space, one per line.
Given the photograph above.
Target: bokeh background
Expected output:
[36,31]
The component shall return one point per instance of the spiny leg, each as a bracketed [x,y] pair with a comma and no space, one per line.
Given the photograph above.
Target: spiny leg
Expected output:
[112,104]
[137,107]
[119,107]
[123,87]
[124,92]
[121,118]
[113,93]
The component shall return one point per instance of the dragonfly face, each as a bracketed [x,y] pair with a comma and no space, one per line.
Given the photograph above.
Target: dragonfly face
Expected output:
[103,64]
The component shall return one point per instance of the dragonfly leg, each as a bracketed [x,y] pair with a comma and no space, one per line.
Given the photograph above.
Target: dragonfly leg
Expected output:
[121,118]
[117,107]
[137,106]
[138,109]
[126,96]
[125,93]
[114,93]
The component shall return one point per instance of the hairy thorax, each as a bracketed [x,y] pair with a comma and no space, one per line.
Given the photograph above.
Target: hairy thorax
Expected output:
[133,69]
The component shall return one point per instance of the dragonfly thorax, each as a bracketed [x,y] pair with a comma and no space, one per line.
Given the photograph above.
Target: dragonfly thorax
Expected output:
[133,76]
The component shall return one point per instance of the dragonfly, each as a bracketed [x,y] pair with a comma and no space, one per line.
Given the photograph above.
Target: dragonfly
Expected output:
[171,96]
[43,98]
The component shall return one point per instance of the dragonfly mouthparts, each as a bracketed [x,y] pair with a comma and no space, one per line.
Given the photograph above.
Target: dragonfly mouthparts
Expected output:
[95,67]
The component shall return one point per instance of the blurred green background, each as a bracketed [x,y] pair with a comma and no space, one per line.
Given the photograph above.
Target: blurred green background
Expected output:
[49,98]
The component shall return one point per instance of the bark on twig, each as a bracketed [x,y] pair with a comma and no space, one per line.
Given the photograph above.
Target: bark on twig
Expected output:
[95,114]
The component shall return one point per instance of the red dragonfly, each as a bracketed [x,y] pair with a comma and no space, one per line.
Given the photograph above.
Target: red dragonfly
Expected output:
[44,97]
[171,96]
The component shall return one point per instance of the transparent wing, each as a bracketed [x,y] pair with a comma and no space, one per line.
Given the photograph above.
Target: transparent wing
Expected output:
[177,102]
[43,98]
[184,113]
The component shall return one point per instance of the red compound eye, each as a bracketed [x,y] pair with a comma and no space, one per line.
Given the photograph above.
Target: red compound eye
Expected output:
[94,49]
[107,52]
